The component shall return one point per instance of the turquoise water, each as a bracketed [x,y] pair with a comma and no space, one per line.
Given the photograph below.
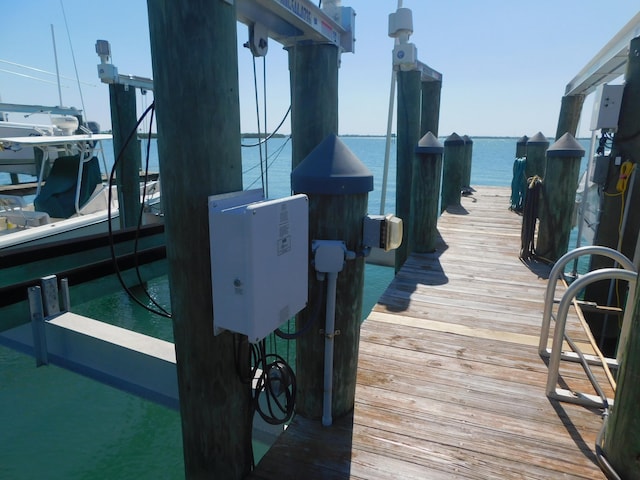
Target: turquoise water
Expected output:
[58,425]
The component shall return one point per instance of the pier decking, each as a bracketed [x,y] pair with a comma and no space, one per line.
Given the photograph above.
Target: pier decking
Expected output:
[450,383]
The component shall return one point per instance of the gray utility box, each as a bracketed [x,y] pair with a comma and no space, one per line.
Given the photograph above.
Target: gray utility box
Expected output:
[259,261]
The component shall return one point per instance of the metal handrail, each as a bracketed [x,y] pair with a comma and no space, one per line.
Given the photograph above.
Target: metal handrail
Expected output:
[559,333]
[556,273]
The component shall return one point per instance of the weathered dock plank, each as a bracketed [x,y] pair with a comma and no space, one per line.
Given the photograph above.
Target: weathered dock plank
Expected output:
[450,383]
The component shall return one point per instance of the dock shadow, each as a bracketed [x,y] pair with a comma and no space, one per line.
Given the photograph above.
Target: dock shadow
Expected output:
[419,269]
[459,209]
[307,449]
[538,267]
[573,431]
[567,422]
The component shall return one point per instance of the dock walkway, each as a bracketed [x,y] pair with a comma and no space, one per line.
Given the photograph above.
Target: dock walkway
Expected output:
[450,383]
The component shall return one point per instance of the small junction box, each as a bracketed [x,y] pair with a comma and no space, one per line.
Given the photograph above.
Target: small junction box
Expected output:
[259,261]
[606,107]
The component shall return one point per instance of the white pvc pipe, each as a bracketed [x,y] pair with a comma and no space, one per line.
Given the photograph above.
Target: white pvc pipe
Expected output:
[385,170]
[329,330]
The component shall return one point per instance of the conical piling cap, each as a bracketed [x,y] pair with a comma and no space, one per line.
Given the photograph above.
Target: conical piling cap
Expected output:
[566,146]
[429,145]
[453,139]
[331,169]
[467,140]
[538,139]
[521,147]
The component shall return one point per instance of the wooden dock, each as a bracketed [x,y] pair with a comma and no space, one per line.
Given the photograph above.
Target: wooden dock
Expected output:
[450,383]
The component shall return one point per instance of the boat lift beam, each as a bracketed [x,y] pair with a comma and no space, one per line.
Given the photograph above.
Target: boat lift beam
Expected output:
[286,21]
[294,21]
[127,360]
[608,64]
[132,362]
[428,74]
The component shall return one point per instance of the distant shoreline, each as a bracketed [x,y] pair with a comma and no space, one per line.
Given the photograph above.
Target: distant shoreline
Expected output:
[142,136]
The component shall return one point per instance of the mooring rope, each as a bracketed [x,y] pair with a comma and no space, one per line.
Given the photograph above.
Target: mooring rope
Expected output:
[529,217]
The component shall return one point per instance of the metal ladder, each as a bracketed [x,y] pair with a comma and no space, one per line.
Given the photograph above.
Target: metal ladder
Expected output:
[627,273]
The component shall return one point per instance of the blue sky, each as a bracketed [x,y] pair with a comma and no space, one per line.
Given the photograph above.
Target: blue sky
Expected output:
[505,62]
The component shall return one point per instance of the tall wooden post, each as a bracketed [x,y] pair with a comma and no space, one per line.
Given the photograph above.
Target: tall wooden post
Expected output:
[453,164]
[626,146]
[314,96]
[426,193]
[123,122]
[570,111]
[536,155]
[468,156]
[408,135]
[622,441]
[558,197]
[198,113]
[521,147]
[430,112]
[337,185]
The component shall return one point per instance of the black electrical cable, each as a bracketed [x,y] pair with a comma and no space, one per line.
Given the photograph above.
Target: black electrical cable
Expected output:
[268,137]
[275,156]
[118,159]
[313,318]
[141,213]
[276,384]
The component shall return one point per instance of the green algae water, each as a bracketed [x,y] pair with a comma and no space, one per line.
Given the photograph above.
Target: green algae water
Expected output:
[59,425]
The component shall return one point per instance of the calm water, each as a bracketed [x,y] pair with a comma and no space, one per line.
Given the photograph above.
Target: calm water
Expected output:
[58,425]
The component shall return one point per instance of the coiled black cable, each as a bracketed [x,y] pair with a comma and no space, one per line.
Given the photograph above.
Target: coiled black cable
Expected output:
[274,394]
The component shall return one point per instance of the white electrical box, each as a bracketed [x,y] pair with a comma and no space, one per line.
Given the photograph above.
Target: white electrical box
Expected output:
[405,56]
[259,261]
[606,107]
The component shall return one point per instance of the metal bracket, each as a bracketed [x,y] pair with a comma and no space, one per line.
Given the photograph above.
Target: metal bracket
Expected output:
[330,335]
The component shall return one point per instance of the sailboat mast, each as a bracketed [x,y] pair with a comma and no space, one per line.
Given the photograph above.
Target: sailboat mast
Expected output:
[55,56]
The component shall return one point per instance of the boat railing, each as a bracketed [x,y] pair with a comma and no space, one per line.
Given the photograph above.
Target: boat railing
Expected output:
[627,273]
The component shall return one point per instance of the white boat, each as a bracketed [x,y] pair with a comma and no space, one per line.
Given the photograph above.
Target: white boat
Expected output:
[71,199]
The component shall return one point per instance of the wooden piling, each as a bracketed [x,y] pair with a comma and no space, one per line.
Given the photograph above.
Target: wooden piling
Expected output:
[622,441]
[123,121]
[452,166]
[313,71]
[468,156]
[426,193]
[337,185]
[408,135]
[430,111]
[536,155]
[197,106]
[570,111]
[558,197]
[626,146]
[521,147]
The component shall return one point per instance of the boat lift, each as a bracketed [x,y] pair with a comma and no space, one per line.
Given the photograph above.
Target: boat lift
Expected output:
[286,21]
